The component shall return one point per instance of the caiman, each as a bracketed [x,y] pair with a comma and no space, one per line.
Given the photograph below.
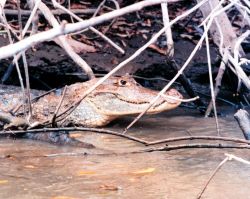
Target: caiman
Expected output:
[115,98]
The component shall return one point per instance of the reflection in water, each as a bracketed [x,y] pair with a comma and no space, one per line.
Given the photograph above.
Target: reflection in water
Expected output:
[26,173]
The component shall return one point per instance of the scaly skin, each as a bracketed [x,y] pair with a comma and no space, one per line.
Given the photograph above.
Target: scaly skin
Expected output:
[116,97]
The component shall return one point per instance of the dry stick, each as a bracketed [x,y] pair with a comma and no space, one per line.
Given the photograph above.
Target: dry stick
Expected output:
[239,71]
[69,8]
[138,52]
[166,97]
[195,146]
[117,6]
[175,139]
[144,142]
[91,28]
[10,69]
[247,3]
[10,50]
[4,20]
[31,17]
[243,12]
[168,32]
[96,130]
[99,8]
[54,12]
[25,64]
[212,175]
[173,80]
[233,157]
[211,82]
[218,79]
[63,42]
[59,106]
[228,157]
[187,86]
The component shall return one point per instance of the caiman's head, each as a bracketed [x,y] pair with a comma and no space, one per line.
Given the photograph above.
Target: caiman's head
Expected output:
[120,96]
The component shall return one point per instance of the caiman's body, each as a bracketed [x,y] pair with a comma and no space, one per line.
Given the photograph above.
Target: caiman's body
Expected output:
[115,98]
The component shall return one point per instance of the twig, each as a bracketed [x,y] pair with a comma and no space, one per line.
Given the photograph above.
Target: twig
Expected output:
[228,157]
[58,107]
[138,52]
[211,80]
[99,8]
[168,32]
[179,100]
[218,81]
[187,86]
[196,145]
[237,158]
[16,57]
[91,28]
[105,131]
[64,44]
[175,139]
[177,75]
[212,175]
[96,130]
[25,64]
[54,12]
[31,17]
[10,50]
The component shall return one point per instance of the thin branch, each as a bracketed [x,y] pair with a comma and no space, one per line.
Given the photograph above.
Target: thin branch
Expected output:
[228,157]
[10,50]
[212,175]
[218,79]
[96,130]
[233,157]
[64,44]
[138,52]
[195,146]
[54,12]
[175,139]
[57,5]
[177,75]
[168,32]
[211,81]
[58,107]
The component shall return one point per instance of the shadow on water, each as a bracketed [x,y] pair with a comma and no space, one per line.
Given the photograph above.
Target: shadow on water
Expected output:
[25,172]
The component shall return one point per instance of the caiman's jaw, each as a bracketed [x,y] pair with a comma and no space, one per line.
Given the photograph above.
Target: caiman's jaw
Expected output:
[131,99]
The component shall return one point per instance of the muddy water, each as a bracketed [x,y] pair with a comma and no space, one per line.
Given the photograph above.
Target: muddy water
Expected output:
[26,172]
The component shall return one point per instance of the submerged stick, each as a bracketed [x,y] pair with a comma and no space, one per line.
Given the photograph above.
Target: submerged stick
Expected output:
[197,146]
[212,175]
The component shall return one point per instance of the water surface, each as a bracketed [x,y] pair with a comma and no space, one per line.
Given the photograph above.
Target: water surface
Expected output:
[25,172]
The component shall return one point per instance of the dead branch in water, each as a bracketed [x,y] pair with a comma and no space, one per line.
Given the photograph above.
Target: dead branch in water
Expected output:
[228,157]
[197,146]
[212,175]
[110,132]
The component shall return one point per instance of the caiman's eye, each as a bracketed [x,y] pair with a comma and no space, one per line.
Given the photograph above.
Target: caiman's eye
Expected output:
[122,83]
